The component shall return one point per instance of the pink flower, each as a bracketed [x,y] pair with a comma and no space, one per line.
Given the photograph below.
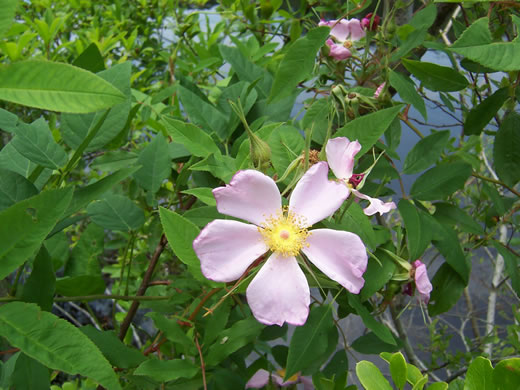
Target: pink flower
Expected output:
[379,90]
[279,292]
[344,32]
[365,22]
[261,379]
[422,282]
[340,155]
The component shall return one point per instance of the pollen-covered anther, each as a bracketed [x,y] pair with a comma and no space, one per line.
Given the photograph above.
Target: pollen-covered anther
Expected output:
[285,233]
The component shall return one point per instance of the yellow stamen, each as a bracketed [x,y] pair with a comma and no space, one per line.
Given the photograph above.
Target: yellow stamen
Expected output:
[284,233]
[347,44]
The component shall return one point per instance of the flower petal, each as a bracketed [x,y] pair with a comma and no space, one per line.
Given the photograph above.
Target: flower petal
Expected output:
[327,23]
[376,205]
[279,292]
[315,197]
[340,255]
[226,248]
[338,52]
[355,28]
[258,380]
[422,282]
[340,30]
[340,155]
[251,196]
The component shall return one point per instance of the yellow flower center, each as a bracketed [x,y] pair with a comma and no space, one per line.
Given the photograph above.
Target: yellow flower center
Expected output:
[284,233]
[347,44]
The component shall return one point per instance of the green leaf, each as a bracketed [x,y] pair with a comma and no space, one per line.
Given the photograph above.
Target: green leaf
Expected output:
[75,127]
[370,322]
[452,215]
[239,91]
[441,181]
[203,194]
[40,286]
[54,342]
[407,91]
[371,344]
[24,226]
[36,143]
[84,195]
[180,234]
[419,234]
[367,129]
[7,15]
[8,121]
[511,261]
[506,149]
[117,353]
[172,331]
[448,244]
[12,160]
[447,289]
[398,370]
[298,62]
[56,87]
[376,275]
[438,386]
[309,341]
[74,286]
[231,340]
[436,77]
[317,118]
[479,375]
[480,115]
[90,59]
[84,255]
[116,212]
[477,44]
[222,167]
[286,144]
[426,152]
[14,188]
[155,164]
[197,141]
[30,374]
[506,374]
[370,376]
[167,370]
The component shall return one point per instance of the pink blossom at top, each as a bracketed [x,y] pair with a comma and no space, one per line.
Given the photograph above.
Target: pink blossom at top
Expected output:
[279,291]
[340,155]
[422,282]
[344,32]
[365,22]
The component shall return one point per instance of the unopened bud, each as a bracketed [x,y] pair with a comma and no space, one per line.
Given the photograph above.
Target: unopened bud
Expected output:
[365,22]
[260,151]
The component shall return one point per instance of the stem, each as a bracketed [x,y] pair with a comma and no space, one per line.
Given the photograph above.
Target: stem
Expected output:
[202,365]
[411,126]
[479,176]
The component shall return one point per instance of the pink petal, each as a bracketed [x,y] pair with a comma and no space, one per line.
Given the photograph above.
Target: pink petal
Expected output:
[327,23]
[340,255]
[251,196]
[340,155]
[341,30]
[226,248]
[339,52]
[259,379]
[422,282]
[315,197]
[376,205]
[279,292]
[356,29]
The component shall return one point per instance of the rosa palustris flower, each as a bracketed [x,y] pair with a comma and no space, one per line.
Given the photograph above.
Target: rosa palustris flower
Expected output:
[345,32]
[422,282]
[279,292]
[340,155]
[261,379]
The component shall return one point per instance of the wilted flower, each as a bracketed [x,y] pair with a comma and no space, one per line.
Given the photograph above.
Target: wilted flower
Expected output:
[365,22]
[344,32]
[340,155]
[422,282]
[279,292]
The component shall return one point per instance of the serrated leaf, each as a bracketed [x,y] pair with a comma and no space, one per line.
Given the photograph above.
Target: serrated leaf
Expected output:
[8,121]
[298,62]
[29,374]
[73,286]
[222,167]
[441,181]
[116,212]
[41,284]
[370,376]
[436,77]
[14,188]
[155,164]
[54,342]
[24,226]
[506,149]
[197,141]
[56,87]
[7,15]
[367,129]
[167,370]
[407,91]
[426,152]
[90,59]
[376,275]
[316,118]
[453,215]
[36,143]
[480,115]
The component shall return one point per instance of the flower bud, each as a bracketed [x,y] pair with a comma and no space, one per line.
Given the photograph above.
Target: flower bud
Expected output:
[365,22]
[259,150]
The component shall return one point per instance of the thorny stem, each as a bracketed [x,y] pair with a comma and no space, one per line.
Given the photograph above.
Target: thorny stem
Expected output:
[142,288]
[202,365]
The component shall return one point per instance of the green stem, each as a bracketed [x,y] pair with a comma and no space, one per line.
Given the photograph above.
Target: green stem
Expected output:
[478,175]
[411,126]
[132,240]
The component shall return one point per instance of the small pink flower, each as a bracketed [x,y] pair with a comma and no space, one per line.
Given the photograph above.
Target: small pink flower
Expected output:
[344,32]
[340,155]
[422,282]
[379,90]
[261,379]
[365,22]
[279,292]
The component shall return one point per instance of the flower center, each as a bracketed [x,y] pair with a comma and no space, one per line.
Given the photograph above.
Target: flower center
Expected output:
[347,44]
[356,179]
[283,233]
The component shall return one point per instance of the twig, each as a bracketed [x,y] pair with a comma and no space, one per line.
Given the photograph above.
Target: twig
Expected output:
[202,365]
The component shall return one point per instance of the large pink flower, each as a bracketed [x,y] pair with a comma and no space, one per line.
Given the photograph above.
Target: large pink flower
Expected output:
[279,292]
[422,282]
[340,155]
[344,32]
